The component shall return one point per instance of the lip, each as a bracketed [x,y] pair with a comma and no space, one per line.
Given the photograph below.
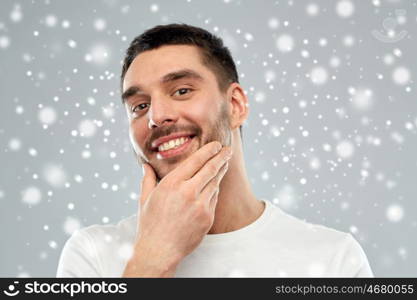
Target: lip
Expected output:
[156,143]
[176,151]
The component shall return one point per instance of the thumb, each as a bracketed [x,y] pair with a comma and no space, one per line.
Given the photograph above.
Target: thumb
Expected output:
[148,182]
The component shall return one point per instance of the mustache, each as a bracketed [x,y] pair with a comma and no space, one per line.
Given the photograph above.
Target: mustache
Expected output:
[164,131]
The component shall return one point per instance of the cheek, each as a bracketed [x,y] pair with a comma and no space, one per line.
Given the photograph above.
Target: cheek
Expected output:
[137,135]
[202,113]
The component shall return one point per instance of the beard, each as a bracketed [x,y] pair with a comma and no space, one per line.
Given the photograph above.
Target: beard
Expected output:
[219,131]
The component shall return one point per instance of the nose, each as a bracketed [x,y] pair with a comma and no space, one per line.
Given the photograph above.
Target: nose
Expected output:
[161,113]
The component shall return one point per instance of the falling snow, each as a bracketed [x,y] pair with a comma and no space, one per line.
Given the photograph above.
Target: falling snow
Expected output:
[4,41]
[345,8]
[71,225]
[285,43]
[31,195]
[47,115]
[395,213]
[401,75]
[319,75]
[331,132]
[362,99]
[87,128]
[54,175]
[345,149]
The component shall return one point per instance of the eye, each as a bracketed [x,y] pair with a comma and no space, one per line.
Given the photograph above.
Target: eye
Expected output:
[182,91]
[140,106]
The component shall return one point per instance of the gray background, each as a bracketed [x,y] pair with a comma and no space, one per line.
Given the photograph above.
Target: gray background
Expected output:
[331,136]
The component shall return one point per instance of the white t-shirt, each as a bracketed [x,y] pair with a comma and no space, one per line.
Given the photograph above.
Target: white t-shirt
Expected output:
[275,245]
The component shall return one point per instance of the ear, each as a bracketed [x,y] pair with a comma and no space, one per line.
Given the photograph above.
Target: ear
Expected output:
[238,104]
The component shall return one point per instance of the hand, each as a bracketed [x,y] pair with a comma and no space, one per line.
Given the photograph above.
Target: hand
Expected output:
[177,213]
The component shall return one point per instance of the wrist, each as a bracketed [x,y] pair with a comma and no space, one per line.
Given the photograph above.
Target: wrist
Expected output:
[148,262]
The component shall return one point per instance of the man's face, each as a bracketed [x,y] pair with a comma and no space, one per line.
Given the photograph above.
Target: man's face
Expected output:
[174,106]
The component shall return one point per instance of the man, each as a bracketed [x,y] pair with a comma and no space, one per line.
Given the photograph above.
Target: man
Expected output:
[198,216]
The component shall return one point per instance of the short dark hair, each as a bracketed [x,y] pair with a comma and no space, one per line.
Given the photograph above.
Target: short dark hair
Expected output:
[215,55]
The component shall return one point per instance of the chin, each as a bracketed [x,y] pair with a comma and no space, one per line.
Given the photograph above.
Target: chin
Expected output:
[164,171]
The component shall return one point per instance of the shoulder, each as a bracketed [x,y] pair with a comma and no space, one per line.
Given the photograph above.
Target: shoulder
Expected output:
[125,229]
[341,251]
[85,253]
[297,229]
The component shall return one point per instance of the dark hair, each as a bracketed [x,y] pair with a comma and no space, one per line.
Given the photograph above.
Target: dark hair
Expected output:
[215,55]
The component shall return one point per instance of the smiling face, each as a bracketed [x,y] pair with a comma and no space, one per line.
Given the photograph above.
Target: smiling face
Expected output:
[174,106]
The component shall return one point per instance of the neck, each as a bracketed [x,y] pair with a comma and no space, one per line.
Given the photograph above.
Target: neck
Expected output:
[236,206]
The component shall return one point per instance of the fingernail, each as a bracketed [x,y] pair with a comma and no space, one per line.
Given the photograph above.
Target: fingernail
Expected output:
[143,169]
[218,147]
[229,153]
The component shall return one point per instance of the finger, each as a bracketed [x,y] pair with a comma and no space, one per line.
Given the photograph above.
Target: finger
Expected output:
[148,182]
[212,187]
[192,164]
[213,201]
[210,169]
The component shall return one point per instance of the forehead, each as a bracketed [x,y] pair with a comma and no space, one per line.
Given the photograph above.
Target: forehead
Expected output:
[148,67]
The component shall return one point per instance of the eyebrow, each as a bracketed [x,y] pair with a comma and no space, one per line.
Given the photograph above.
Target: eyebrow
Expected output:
[170,77]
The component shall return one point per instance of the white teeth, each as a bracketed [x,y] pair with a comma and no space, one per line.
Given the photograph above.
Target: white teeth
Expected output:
[174,143]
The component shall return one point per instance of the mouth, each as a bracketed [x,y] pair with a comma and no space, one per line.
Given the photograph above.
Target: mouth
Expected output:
[173,147]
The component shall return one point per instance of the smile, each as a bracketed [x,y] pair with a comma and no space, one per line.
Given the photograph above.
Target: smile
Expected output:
[172,144]
[174,147]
